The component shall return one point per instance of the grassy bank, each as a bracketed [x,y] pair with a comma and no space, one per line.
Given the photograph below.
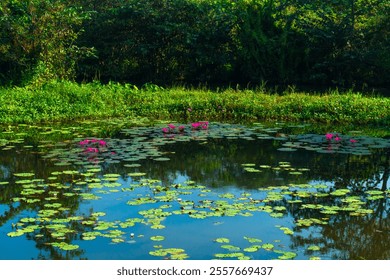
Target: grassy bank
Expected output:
[64,101]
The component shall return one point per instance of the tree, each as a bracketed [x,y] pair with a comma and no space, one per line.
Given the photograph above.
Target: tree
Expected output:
[38,40]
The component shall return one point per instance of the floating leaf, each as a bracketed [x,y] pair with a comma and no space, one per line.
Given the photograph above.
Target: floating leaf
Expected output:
[253,240]
[287,149]
[248,164]
[24,174]
[253,248]
[161,159]
[136,174]
[286,230]
[268,246]
[64,246]
[230,247]
[15,233]
[222,240]
[313,248]
[286,255]
[157,238]
[98,214]
[117,240]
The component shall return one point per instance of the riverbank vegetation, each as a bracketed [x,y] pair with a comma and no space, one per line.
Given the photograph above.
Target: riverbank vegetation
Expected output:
[64,101]
[66,60]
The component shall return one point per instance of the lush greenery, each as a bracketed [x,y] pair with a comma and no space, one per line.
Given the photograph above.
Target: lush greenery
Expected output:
[64,101]
[339,42]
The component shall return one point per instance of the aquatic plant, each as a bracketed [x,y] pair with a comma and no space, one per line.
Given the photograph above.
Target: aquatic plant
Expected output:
[153,202]
[200,125]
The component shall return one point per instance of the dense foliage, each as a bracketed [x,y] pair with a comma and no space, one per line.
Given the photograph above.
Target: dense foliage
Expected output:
[339,42]
[64,101]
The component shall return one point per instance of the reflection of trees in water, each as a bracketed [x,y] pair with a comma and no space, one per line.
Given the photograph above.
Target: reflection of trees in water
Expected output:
[49,252]
[20,162]
[345,237]
[350,237]
[218,163]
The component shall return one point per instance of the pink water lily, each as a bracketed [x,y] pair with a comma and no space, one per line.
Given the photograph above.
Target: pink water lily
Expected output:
[84,142]
[92,150]
[171,126]
[102,143]
[195,125]
[352,140]
[181,128]
[165,130]
[329,136]
[204,125]
[337,139]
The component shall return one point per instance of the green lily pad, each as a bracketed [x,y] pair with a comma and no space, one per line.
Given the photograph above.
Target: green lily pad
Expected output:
[65,246]
[136,174]
[161,159]
[15,233]
[253,240]
[98,214]
[287,231]
[286,255]
[117,240]
[222,240]
[268,246]
[313,248]
[287,149]
[24,174]
[157,238]
[230,247]
[252,249]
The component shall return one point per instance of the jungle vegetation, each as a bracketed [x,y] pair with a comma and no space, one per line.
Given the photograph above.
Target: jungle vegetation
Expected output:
[341,43]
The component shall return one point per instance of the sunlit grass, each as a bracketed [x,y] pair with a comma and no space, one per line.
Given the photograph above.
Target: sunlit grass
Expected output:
[64,101]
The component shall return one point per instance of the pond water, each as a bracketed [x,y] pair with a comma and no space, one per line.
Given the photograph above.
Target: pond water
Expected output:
[200,191]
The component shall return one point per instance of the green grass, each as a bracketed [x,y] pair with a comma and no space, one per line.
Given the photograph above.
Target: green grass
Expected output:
[64,101]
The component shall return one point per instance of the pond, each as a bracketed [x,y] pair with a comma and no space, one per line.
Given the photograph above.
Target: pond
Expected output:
[192,191]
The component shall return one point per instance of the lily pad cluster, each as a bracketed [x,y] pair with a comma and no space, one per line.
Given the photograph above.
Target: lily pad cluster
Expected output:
[52,205]
[336,143]
[282,166]
[255,246]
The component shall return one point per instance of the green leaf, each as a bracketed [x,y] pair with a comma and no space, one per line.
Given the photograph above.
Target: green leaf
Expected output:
[157,238]
[222,240]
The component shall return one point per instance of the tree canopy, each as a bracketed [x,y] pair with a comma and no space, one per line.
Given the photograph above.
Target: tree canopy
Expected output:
[339,42]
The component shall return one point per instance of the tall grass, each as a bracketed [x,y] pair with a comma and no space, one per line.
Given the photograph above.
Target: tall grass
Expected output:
[64,101]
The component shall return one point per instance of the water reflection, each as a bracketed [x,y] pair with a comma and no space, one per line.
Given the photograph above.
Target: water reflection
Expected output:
[216,164]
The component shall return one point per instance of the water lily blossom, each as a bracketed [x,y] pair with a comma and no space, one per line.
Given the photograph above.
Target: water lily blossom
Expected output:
[165,130]
[84,142]
[171,126]
[195,125]
[102,143]
[352,140]
[329,136]
[92,150]
[204,125]
[337,139]
[181,128]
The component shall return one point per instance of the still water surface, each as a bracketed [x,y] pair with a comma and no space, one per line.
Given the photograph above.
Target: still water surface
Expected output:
[226,192]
